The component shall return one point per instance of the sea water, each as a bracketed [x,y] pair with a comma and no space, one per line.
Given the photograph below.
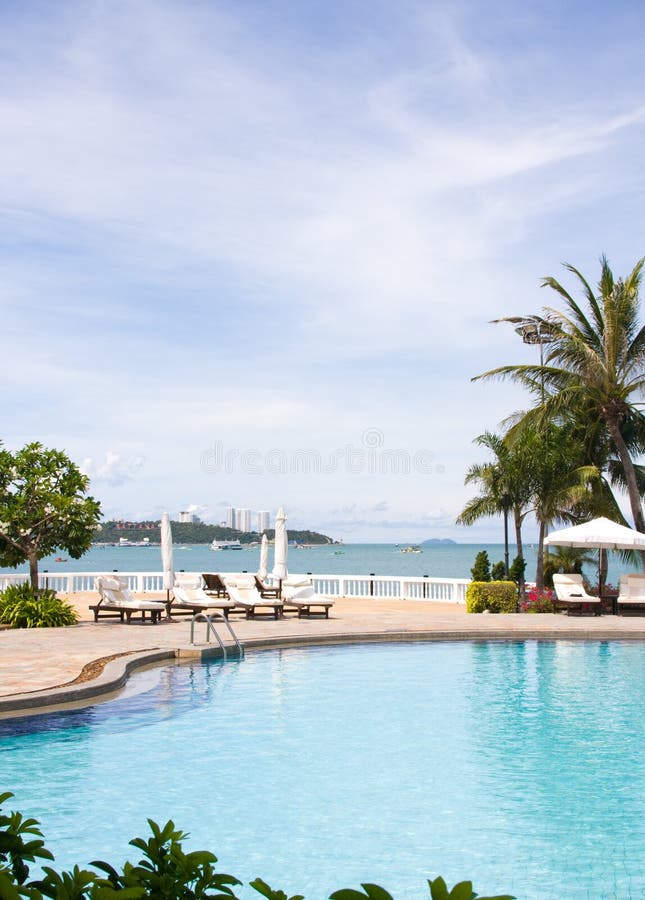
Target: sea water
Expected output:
[437,560]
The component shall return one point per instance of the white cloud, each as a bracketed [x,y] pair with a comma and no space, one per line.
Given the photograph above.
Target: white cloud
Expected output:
[115,470]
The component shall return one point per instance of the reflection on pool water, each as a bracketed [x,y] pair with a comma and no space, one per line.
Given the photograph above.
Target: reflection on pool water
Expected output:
[519,765]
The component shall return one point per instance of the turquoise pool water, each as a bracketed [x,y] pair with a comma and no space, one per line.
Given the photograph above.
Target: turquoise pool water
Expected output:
[519,765]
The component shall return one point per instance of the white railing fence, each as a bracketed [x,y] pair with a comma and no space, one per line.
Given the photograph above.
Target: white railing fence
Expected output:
[377,587]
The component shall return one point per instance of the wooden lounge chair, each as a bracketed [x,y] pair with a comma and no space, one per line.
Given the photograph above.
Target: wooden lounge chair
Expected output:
[244,594]
[570,590]
[631,595]
[214,584]
[265,591]
[117,602]
[301,595]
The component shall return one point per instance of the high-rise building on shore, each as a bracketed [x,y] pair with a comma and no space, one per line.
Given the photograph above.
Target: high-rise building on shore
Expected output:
[264,520]
[187,517]
[243,519]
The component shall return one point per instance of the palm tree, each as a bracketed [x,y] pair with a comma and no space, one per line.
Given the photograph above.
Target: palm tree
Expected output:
[563,487]
[595,360]
[504,487]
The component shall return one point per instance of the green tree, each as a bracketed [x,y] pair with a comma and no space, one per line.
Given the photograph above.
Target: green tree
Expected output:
[498,572]
[481,567]
[43,507]
[595,360]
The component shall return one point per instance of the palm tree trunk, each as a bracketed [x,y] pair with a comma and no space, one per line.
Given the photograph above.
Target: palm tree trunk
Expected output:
[517,517]
[602,570]
[630,474]
[539,570]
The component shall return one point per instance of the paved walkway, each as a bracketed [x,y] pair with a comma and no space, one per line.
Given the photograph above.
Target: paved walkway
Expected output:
[36,664]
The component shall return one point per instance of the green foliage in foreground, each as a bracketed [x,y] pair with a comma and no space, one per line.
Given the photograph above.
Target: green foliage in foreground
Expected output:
[493,596]
[23,607]
[165,872]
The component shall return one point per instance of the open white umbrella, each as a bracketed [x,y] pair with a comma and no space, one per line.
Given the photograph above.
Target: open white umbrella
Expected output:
[264,558]
[280,545]
[166,560]
[601,533]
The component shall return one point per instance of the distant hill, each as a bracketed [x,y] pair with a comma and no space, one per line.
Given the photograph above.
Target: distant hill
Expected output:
[438,541]
[194,533]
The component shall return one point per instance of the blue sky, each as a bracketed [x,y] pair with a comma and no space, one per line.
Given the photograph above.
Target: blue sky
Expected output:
[250,250]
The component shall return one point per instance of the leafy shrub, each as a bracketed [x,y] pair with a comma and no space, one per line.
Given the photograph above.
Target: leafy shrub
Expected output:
[481,568]
[494,596]
[166,872]
[22,607]
[538,602]
[498,572]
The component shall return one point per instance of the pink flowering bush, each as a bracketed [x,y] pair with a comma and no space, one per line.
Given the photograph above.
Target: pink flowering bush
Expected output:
[538,601]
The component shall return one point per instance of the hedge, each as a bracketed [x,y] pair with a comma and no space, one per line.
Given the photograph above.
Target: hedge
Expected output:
[491,596]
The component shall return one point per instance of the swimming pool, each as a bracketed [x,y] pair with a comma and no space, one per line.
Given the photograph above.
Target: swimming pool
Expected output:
[517,764]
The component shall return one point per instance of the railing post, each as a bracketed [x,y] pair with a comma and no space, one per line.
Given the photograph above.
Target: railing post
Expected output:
[371,584]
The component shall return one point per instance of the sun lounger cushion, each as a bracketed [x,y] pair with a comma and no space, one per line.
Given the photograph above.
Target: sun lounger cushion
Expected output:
[296,582]
[243,582]
[570,587]
[191,582]
[632,589]
[107,582]
[198,597]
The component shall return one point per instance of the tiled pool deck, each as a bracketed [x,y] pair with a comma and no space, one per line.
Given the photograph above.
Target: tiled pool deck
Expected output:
[37,665]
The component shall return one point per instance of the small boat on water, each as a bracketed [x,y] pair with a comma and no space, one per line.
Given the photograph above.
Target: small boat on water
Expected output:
[226,545]
[411,549]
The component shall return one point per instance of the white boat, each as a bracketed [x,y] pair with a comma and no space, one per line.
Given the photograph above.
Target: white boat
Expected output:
[411,549]
[226,545]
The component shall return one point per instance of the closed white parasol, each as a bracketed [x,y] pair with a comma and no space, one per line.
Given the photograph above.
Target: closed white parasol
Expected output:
[280,546]
[166,560]
[264,558]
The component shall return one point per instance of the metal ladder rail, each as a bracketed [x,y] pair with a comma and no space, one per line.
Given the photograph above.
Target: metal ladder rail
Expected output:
[211,628]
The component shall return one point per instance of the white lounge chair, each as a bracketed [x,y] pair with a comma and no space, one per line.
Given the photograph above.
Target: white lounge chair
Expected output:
[189,598]
[243,593]
[570,590]
[301,594]
[631,595]
[116,601]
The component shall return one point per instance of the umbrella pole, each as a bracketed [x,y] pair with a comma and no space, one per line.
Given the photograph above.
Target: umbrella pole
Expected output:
[168,618]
